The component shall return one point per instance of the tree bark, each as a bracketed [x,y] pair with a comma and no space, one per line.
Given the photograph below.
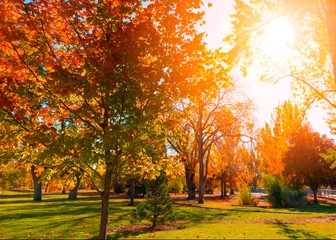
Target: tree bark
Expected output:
[223,185]
[105,197]
[132,192]
[315,196]
[37,185]
[190,180]
[73,192]
[201,163]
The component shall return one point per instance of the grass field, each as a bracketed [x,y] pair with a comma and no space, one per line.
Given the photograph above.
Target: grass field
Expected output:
[56,217]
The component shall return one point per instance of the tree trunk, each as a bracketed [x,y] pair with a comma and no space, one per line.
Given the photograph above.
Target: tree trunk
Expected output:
[105,197]
[223,186]
[201,191]
[63,190]
[190,180]
[132,192]
[315,196]
[37,185]
[231,191]
[73,192]
[201,166]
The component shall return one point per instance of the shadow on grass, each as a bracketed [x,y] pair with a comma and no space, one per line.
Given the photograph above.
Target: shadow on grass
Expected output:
[198,215]
[286,229]
[316,208]
[26,208]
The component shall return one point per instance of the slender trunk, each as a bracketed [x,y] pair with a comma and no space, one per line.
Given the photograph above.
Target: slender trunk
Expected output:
[315,196]
[154,221]
[46,188]
[73,192]
[105,197]
[190,180]
[132,192]
[223,185]
[37,185]
[224,188]
[201,172]
[63,190]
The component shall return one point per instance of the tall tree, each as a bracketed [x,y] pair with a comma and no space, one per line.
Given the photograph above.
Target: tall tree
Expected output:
[103,66]
[212,119]
[182,141]
[272,143]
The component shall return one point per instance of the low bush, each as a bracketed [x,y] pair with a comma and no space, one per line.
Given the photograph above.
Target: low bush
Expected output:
[245,197]
[280,195]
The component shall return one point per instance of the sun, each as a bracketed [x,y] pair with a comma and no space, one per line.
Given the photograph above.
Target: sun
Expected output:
[278,34]
[274,45]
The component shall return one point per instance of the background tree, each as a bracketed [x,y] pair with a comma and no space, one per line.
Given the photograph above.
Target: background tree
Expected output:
[182,141]
[272,144]
[304,164]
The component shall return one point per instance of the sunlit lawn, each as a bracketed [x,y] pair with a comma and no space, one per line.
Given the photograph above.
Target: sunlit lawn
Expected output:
[11,193]
[56,217]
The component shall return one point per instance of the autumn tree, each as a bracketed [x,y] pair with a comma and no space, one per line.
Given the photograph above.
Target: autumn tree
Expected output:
[103,67]
[14,175]
[272,143]
[211,119]
[231,157]
[182,142]
[304,164]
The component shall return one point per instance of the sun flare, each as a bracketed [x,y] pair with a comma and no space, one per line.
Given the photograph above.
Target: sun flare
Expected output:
[279,33]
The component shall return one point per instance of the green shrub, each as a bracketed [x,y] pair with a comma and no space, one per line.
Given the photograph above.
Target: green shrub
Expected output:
[157,208]
[280,195]
[245,197]
[177,185]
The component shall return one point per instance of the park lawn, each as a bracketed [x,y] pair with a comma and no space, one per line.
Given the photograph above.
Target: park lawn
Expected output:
[322,207]
[57,217]
[243,231]
[11,193]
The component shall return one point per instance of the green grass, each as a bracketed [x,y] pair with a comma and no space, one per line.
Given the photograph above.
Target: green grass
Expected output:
[245,231]
[12,193]
[324,208]
[57,217]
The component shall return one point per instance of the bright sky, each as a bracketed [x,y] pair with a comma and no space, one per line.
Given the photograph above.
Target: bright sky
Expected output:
[266,96]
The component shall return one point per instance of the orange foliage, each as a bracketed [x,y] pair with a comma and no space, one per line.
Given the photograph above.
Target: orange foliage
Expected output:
[273,140]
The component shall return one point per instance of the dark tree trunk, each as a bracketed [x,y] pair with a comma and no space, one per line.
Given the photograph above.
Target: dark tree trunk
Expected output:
[190,180]
[201,191]
[315,196]
[201,188]
[105,197]
[223,185]
[63,190]
[46,188]
[231,191]
[37,185]
[73,192]
[132,192]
